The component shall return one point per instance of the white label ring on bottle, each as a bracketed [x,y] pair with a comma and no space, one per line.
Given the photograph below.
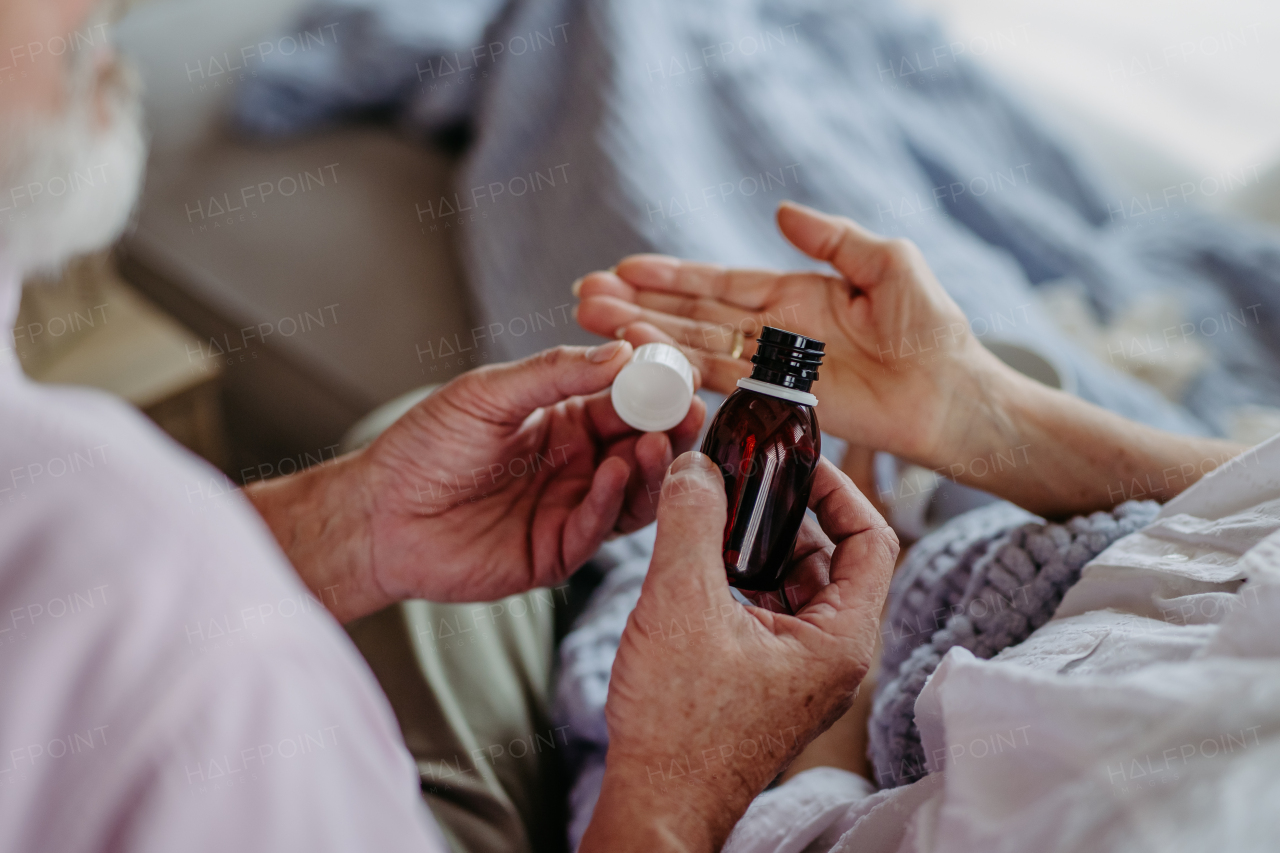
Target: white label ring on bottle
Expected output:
[804,398]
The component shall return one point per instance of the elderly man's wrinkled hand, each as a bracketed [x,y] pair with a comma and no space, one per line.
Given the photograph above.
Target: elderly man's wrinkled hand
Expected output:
[506,479]
[511,476]
[709,699]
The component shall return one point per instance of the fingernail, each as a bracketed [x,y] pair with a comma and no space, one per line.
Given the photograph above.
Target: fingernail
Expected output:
[620,332]
[604,352]
[692,459]
[576,287]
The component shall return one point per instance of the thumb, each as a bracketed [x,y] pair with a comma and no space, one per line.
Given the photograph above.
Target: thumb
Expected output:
[509,393]
[861,256]
[687,559]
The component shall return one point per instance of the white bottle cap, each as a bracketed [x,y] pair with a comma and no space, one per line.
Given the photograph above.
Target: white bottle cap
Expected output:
[654,391]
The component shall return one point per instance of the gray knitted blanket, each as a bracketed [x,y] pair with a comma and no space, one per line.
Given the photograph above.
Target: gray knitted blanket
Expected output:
[984,581]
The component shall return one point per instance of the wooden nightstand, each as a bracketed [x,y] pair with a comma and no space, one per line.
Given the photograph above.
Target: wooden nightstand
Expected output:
[90,328]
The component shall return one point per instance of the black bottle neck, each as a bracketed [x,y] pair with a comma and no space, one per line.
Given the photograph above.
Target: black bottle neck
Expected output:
[786,359]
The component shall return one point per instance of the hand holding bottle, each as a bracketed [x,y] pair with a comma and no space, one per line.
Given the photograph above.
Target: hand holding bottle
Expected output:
[709,700]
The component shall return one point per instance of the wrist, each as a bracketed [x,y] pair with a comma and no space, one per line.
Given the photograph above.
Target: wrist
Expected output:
[1087,458]
[980,414]
[321,519]
[641,809]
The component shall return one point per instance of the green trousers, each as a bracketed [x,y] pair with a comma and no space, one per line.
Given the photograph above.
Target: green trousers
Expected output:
[470,686]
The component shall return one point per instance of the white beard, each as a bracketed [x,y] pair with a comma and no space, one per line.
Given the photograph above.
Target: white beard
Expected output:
[66,186]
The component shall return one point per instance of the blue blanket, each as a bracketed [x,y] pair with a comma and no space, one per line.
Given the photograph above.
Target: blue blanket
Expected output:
[609,127]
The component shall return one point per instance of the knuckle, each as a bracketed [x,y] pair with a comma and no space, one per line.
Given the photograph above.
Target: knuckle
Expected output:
[557,355]
[848,229]
[691,307]
[830,245]
[899,251]
[889,537]
[479,380]
[858,670]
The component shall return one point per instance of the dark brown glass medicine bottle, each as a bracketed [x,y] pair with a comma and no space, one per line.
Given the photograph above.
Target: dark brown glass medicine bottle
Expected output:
[766,441]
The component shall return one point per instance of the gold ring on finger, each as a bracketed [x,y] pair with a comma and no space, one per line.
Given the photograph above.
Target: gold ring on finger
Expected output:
[739,341]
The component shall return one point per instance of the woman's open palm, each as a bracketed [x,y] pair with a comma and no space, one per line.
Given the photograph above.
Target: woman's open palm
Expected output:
[898,347]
